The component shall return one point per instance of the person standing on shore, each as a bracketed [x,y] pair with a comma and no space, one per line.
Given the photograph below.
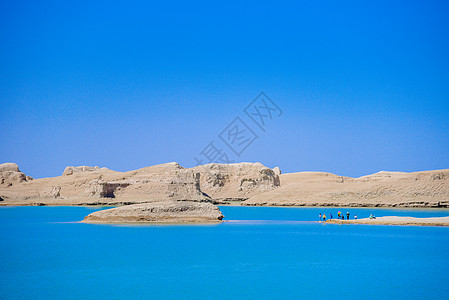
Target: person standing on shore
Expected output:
[347,215]
[355,217]
[324,217]
[339,213]
[330,214]
[320,217]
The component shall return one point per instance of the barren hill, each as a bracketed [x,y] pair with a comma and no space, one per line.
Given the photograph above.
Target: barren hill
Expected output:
[383,189]
[94,185]
[251,183]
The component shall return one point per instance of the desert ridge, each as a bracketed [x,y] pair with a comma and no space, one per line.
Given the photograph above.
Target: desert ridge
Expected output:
[85,185]
[251,184]
[382,189]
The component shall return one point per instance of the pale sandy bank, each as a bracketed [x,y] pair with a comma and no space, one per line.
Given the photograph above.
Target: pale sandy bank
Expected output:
[393,220]
[159,212]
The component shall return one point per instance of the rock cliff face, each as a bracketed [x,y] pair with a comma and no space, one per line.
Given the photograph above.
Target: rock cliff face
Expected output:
[166,181]
[252,183]
[236,181]
[71,170]
[11,175]
[87,185]
[94,185]
[159,212]
[277,171]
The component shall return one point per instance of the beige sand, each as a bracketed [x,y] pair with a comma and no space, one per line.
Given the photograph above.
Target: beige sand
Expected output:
[383,189]
[159,212]
[392,220]
[101,186]
[252,183]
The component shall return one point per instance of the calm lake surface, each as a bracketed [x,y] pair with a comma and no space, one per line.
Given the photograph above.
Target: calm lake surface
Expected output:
[261,253]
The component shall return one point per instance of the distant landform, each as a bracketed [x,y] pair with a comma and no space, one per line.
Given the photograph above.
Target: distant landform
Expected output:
[393,220]
[238,184]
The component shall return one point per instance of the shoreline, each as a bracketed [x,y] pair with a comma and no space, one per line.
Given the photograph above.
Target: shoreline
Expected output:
[384,220]
[394,221]
[171,222]
[376,205]
[349,207]
[125,203]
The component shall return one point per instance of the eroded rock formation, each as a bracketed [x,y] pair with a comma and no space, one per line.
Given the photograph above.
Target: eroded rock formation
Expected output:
[159,212]
[93,186]
[252,183]
[11,175]
[236,181]
[277,171]
[70,170]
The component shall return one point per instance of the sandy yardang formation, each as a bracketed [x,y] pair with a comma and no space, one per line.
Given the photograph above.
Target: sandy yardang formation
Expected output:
[93,185]
[159,212]
[70,170]
[11,175]
[251,183]
[236,181]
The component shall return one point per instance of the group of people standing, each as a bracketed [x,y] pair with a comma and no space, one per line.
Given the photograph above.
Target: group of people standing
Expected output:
[339,214]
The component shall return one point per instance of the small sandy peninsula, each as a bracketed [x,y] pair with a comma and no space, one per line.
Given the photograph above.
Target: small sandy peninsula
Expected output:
[393,220]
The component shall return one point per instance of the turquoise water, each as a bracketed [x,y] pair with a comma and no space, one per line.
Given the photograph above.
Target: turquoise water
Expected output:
[45,254]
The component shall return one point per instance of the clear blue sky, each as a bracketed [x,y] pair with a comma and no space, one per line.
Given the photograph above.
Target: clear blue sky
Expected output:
[363,86]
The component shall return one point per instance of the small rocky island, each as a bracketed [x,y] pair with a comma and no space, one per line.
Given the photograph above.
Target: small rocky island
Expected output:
[159,212]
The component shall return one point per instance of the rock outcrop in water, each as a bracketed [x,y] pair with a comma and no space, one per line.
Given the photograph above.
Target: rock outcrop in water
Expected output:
[159,212]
